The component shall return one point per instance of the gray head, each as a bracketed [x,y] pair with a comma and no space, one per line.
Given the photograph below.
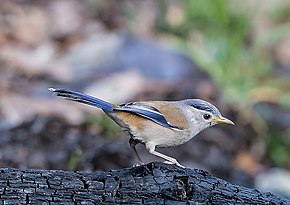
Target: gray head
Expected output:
[203,114]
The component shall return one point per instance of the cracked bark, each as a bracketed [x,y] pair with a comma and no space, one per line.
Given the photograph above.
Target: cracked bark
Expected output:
[154,183]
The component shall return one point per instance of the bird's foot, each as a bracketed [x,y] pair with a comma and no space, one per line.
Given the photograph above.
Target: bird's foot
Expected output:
[175,162]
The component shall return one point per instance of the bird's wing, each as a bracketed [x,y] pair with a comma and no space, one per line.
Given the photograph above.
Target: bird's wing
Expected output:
[146,111]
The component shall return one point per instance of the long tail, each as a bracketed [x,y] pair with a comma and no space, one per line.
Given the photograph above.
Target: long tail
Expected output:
[83,98]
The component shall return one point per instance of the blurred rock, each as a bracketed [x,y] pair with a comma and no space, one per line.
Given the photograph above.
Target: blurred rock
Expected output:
[65,18]
[86,57]
[152,60]
[102,54]
[118,87]
[247,163]
[27,24]
[28,61]
[275,180]
[100,57]
[18,109]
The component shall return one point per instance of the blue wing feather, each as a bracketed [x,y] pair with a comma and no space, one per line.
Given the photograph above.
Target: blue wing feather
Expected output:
[146,111]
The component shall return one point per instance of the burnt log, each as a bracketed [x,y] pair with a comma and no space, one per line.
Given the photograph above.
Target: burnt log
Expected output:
[154,183]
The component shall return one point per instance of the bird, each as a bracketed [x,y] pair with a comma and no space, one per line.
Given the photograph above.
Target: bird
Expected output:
[155,123]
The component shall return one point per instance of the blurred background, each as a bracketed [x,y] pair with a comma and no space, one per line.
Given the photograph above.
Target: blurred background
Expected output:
[235,54]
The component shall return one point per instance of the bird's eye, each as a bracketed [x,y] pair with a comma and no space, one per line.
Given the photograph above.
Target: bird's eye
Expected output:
[206,116]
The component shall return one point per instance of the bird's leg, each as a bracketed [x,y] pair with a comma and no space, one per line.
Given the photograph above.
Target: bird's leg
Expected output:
[170,160]
[133,144]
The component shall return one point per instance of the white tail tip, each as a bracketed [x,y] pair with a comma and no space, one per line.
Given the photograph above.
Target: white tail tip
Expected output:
[52,89]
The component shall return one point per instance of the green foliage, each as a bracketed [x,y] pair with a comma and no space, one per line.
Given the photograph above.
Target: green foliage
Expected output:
[225,50]
[74,159]
[278,143]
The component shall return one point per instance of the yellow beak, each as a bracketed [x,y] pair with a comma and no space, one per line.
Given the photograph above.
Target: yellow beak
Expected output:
[224,120]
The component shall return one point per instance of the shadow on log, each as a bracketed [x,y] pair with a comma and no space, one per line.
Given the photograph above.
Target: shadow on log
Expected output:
[154,183]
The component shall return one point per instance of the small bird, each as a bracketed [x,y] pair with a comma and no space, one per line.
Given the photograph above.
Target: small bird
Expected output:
[155,123]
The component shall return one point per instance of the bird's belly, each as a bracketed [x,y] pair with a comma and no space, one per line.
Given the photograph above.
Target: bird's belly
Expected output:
[153,133]
[163,137]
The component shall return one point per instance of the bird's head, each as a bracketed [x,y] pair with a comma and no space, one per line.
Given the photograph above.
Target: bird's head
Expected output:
[203,114]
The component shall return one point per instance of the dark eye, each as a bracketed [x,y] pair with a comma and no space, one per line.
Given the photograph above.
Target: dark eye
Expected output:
[206,116]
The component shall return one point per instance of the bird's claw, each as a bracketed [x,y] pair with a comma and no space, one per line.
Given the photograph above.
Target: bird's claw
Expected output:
[175,162]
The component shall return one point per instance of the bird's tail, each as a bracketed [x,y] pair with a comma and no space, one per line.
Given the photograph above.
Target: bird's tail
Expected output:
[83,98]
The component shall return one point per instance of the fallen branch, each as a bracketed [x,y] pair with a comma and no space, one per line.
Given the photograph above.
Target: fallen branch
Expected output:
[154,183]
